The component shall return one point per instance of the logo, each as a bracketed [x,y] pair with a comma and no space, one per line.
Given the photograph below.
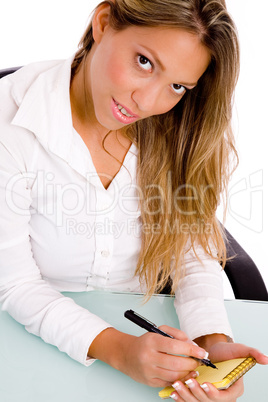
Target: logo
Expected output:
[246,202]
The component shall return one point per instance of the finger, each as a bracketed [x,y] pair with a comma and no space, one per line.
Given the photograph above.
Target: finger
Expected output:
[176,397]
[175,332]
[207,391]
[260,357]
[186,394]
[169,376]
[192,374]
[241,350]
[178,347]
[175,363]
[236,350]
[157,383]
[172,368]
[203,392]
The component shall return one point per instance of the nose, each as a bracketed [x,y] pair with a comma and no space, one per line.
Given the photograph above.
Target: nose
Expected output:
[147,98]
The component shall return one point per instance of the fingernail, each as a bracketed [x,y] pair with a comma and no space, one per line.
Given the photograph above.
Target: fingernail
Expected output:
[174,396]
[194,343]
[177,386]
[190,383]
[205,387]
[195,374]
[202,354]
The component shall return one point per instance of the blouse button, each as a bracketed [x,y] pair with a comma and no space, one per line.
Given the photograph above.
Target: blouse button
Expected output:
[105,253]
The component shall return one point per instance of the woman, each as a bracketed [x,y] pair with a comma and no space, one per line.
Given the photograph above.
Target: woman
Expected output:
[112,165]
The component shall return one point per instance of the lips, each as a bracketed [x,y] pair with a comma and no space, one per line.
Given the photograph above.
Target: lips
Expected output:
[122,113]
[127,112]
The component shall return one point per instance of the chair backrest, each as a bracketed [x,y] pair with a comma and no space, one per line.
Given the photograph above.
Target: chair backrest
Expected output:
[7,71]
[244,276]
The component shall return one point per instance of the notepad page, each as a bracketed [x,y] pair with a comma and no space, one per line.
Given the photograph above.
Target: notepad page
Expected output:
[209,374]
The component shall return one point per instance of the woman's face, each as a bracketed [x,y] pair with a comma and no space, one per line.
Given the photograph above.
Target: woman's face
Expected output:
[140,72]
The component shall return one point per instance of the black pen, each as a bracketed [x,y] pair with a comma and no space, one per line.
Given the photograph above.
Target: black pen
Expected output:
[151,327]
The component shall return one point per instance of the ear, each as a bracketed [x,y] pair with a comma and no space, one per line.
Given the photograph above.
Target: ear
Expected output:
[100,21]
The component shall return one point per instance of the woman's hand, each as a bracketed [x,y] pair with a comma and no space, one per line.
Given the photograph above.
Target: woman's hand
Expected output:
[218,352]
[224,351]
[207,392]
[151,359]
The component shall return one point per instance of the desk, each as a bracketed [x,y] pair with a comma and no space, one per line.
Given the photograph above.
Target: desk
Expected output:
[33,371]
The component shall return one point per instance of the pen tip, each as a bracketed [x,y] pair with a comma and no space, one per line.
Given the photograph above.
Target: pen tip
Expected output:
[213,365]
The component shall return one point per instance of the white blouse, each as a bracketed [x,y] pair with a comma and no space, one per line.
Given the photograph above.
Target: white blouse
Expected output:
[61,230]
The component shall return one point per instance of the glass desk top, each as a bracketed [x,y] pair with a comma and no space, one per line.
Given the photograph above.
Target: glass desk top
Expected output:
[33,371]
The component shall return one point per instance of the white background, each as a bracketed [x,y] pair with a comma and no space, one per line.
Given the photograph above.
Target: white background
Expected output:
[31,31]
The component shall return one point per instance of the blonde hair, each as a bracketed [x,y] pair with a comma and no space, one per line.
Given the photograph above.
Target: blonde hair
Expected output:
[186,155]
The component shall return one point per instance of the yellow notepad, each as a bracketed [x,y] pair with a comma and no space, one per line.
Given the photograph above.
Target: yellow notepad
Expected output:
[228,372]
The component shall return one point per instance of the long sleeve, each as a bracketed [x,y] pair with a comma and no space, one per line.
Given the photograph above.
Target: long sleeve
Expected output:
[42,309]
[23,293]
[199,300]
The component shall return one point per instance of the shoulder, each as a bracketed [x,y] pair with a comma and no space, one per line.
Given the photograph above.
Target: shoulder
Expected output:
[14,86]
[16,141]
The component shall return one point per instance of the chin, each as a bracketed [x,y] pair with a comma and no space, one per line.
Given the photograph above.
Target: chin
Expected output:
[111,124]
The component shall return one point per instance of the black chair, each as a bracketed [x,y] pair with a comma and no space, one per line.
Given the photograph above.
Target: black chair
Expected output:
[243,274]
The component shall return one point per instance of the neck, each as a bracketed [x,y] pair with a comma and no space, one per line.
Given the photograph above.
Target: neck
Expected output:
[81,106]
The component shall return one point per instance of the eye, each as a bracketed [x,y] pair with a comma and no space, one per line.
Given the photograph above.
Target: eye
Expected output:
[144,63]
[178,89]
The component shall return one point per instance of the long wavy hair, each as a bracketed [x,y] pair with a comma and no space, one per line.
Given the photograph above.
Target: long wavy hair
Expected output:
[186,156]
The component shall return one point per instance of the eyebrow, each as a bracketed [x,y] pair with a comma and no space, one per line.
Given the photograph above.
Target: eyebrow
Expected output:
[158,61]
